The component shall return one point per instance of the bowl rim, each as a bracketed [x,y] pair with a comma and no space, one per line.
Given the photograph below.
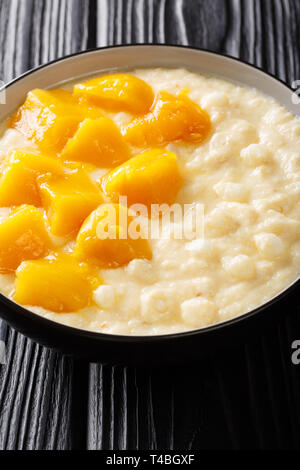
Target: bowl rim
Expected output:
[108,337]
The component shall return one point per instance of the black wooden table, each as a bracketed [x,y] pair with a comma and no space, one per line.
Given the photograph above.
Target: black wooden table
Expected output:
[244,398]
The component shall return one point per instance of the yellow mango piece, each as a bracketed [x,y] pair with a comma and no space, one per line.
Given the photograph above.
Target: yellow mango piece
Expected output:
[50,118]
[23,236]
[150,178]
[18,184]
[69,200]
[57,283]
[118,249]
[171,119]
[117,92]
[98,142]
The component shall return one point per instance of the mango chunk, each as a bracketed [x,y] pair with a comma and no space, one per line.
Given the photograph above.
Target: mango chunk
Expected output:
[69,200]
[117,92]
[150,178]
[50,118]
[171,119]
[18,184]
[104,239]
[98,142]
[57,283]
[23,236]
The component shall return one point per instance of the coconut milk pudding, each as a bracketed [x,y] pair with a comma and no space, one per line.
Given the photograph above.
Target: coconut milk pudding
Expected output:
[154,136]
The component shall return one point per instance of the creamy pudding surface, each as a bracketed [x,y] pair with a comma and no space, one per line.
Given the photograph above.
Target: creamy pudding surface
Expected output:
[246,174]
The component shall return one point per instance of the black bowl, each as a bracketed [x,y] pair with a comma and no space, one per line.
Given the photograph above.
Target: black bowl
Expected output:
[166,349]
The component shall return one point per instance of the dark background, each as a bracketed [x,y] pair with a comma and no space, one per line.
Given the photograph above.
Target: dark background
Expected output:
[244,398]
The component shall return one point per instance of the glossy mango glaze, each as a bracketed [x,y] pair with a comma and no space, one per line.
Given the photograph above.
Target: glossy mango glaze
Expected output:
[98,142]
[50,118]
[19,173]
[68,199]
[56,240]
[150,178]
[171,118]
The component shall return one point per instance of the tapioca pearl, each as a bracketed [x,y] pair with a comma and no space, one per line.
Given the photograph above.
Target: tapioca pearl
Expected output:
[217,117]
[198,312]
[241,267]
[281,279]
[243,214]
[218,223]
[293,189]
[221,148]
[277,115]
[231,191]
[290,130]
[4,213]
[169,265]
[245,133]
[157,304]
[233,293]
[265,269]
[269,245]
[141,270]
[256,154]
[270,138]
[217,99]
[290,164]
[203,248]
[204,286]
[255,103]
[295,253]
[193,265]
[232,311]
[281,202]
[105,296]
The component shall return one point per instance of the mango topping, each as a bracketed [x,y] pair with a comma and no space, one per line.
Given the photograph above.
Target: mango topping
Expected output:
[18,184]
[104,239]
[150,178]
[97,234]
[171,119]
[69,199]
[50,118]
[23,236]
[57,283]
[117,92]
[98,142]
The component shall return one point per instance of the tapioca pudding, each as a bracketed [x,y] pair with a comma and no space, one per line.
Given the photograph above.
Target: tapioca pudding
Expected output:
[153,137]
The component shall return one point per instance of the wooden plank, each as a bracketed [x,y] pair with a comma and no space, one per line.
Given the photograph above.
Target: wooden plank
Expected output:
[40,391]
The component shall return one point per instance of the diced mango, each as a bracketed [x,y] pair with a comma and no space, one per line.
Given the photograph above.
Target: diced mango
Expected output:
[69,200]
[57,283]
[98,142]
[104,239]
[18,184]
[50,118]
[172,118]
[23,236]
[117,92]
[150,178]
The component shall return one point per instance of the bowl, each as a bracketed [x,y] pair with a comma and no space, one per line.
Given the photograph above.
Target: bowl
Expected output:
[133,350]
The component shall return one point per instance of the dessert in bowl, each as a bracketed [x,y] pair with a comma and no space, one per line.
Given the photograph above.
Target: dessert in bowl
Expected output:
[147,202]
[155,136]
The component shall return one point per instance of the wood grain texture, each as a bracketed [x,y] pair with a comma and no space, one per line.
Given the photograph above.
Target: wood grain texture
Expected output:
[245,399]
